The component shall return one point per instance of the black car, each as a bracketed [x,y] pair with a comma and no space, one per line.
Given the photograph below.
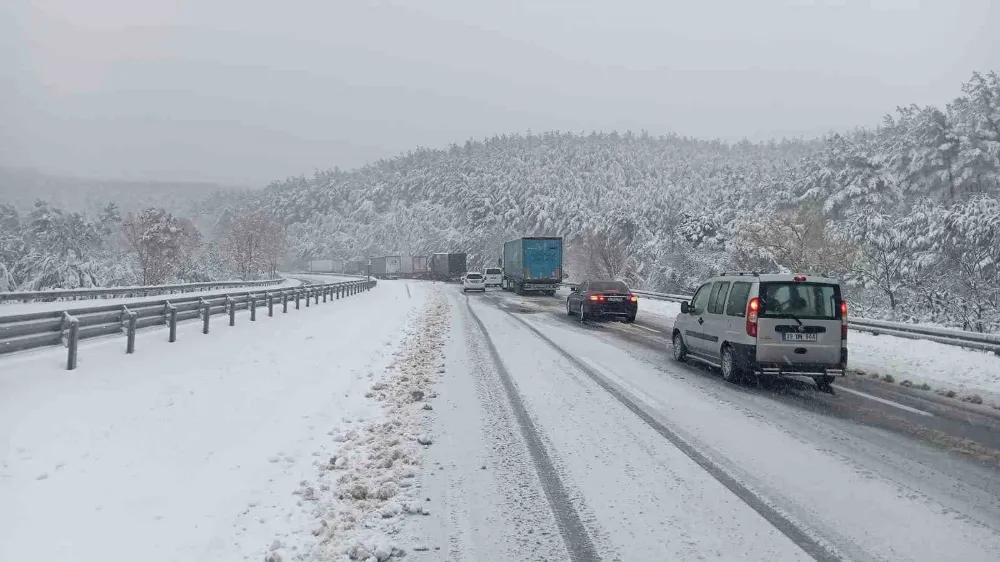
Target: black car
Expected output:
[602,299]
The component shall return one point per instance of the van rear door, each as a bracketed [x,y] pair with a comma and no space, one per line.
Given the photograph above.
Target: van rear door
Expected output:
[799,323]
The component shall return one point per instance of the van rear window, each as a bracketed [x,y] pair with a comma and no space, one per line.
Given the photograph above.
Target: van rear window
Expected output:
[493,271]
[802,300]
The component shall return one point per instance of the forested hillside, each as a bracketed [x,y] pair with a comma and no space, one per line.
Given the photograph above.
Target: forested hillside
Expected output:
[907,211]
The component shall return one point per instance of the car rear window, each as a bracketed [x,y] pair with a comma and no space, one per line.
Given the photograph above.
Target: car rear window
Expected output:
[474,276]
[493,271]
[608,286]
[802,300]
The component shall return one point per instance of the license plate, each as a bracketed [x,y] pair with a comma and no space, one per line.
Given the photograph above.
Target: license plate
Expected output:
[616,299]
[796,336]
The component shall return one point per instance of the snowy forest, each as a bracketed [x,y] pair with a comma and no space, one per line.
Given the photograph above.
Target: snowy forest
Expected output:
[906,213]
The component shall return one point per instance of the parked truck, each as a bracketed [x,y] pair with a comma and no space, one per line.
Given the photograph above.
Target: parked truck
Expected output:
[355,267]
[421,267]
[532,264]
[326,266]
[448,267]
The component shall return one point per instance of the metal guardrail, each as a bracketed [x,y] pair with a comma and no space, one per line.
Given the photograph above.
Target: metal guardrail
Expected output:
[117,292]
[44,329]
[947,336]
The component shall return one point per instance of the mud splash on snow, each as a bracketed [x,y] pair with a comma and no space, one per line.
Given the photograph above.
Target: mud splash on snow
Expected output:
[361,493]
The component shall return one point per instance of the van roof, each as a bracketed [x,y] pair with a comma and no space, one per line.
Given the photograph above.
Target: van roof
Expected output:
[778,277]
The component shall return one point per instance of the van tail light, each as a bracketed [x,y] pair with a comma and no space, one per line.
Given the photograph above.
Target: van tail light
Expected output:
[843,320]
[753,308]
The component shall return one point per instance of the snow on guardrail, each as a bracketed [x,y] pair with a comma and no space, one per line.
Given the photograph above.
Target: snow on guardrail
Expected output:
[127,291]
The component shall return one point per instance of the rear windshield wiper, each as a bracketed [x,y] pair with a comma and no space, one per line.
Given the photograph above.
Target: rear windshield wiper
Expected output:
[787,315]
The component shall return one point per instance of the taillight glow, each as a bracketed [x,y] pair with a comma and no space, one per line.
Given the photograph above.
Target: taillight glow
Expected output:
[596,297]
[753,307]
[799,278]
[843,320]
[633,298]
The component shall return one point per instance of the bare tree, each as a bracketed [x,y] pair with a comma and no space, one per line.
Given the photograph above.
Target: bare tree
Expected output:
[159,243]
[797,240]
[254,243]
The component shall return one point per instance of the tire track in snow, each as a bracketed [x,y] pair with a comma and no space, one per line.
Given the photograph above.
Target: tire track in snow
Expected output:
[815,548]
[574,533]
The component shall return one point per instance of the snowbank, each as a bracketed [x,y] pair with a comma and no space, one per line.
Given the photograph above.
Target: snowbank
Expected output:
[195,450]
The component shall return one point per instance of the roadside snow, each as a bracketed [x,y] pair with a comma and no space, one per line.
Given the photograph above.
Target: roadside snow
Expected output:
[11,308]
[206,449]
[667,309]
[366,487]
[939,365]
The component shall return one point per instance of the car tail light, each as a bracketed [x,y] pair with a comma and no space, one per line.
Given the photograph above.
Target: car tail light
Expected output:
[633,298]
[753,308]
[843,320]
[596,297]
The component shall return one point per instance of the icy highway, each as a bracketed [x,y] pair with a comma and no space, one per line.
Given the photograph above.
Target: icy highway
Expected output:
[556,440]
[413,422]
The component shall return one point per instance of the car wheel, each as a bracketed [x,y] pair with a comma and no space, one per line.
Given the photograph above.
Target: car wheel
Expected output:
[569,311]
[630,319]
[731,372]
[680,350]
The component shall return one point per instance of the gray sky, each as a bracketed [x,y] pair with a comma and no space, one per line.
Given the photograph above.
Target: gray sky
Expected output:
[250,90]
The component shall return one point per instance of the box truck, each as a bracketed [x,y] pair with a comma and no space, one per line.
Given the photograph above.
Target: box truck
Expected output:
[532,264]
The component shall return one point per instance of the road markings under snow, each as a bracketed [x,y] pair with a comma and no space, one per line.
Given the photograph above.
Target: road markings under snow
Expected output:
[647,329]
[884,401]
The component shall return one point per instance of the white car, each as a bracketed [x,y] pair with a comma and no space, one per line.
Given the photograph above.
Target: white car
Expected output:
[494,276]
[473,282]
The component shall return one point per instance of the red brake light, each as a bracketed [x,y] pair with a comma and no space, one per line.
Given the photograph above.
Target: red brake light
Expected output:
[799,278]
[753,308]
[633,298]
[595,297]
[843,320]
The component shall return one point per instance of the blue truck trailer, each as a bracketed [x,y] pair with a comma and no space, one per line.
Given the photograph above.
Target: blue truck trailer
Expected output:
[532,264]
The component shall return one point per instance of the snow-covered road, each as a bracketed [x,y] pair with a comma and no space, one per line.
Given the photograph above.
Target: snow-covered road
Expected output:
[414,421]
[658,461]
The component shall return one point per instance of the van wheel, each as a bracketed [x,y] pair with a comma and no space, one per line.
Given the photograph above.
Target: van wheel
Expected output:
[825,384]
[731,371]
[680,350]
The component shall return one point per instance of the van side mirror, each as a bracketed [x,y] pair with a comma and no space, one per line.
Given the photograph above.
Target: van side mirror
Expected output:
[685,307]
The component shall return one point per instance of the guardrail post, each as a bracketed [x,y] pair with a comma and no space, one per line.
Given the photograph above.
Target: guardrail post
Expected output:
[337,289]
[172,322]
[325,291]
[72,325]
[298,294]
[284,301]
[129,318]
[308,296]
[231,305]
[252,303]
[270,304]
[316,293]
[205,310]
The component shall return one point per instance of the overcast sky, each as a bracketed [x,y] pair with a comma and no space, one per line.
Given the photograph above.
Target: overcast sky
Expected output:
[246,91]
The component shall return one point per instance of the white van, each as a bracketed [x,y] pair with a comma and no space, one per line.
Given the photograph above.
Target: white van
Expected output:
[494,276]
[759,324]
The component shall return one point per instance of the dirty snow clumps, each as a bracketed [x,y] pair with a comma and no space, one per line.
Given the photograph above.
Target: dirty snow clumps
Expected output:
[361,493]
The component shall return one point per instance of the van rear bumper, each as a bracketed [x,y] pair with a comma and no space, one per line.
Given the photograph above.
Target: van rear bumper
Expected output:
[746,355]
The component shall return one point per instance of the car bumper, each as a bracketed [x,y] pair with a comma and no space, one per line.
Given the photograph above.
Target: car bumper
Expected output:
[746,357]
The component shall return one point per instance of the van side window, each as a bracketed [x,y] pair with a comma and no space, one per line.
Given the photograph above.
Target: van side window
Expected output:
[700,300]
[737,305]
[718,303]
